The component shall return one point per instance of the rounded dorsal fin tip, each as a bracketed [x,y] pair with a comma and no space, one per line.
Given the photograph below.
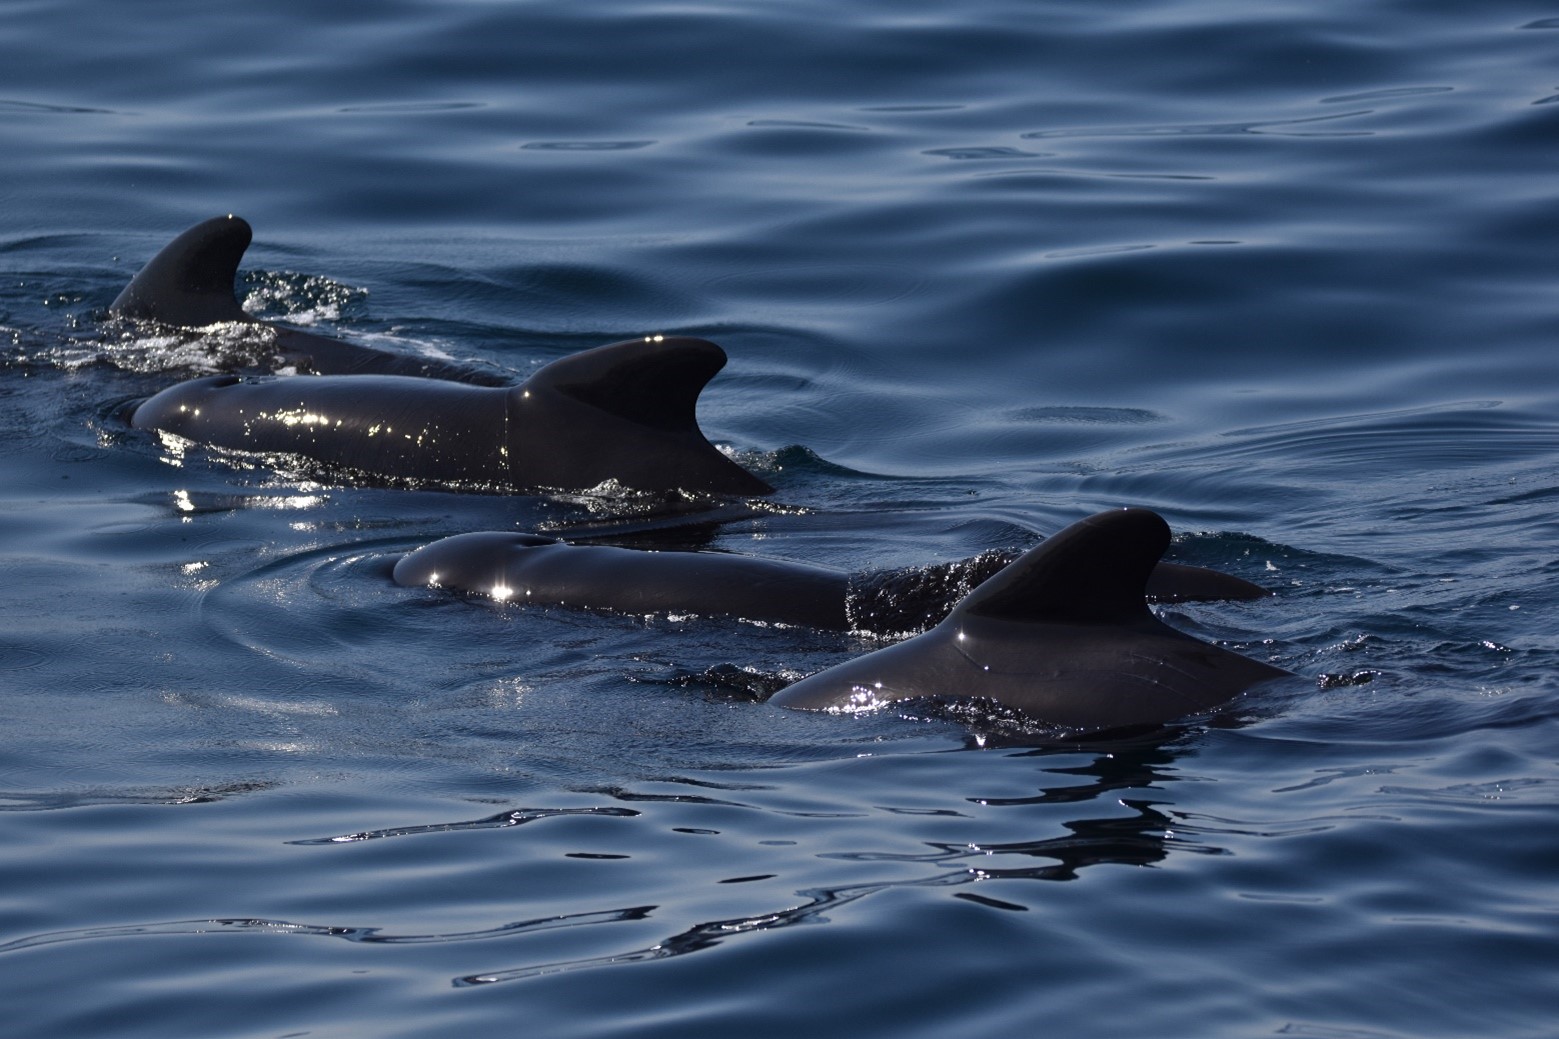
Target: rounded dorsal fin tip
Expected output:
[1094,571]
[655,380]
[190,281]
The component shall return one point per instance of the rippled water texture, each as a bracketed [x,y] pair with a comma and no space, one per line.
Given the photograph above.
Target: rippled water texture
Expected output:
[1284,272]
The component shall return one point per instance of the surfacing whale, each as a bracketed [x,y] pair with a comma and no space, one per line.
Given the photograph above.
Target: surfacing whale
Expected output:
[535,569]
[624,412]
[1062,635]
[189,284]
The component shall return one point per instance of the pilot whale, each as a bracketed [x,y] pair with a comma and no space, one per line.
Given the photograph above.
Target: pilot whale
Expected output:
[1062,635]
[624,412]
[535,569]
[189,284]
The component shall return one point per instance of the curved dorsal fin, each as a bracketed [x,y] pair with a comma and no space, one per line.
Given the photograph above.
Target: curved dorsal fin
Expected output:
[654,381]
[190,282]
[1093,572]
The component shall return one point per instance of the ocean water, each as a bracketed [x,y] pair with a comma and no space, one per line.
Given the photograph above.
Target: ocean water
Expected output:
[1284,272]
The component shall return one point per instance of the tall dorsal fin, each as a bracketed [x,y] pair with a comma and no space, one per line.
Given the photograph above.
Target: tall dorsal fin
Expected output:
[1093,572]
[190,282]
[653,381]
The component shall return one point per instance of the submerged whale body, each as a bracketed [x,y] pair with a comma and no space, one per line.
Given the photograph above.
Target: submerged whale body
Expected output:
[535,569]
[622,412]
[1062,635]
[189,284]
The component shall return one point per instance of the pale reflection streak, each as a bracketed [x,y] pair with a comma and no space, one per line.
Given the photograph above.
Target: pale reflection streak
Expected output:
[302,417]
[352,934]
[515,817]
[708,935]
[175,448]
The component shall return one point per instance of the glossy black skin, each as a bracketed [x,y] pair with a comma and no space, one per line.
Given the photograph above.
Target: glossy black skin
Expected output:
[531,568]
[1062,635]
[622,412]
[625,412]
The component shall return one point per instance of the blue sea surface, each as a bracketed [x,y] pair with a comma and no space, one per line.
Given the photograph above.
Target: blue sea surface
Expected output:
[1287,273]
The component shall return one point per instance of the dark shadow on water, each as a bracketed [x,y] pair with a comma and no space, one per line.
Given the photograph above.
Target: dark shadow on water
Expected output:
[1141,839]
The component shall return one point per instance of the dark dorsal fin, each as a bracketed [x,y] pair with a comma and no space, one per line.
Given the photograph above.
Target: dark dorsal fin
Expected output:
[190,282]
[1093,572]
[653,381]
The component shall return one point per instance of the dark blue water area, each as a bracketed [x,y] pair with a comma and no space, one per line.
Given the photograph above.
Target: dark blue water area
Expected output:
[1284,272]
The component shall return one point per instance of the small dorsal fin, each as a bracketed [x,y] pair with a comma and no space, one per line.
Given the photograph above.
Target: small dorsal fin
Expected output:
[1093,572]
[190,282]
[654,381]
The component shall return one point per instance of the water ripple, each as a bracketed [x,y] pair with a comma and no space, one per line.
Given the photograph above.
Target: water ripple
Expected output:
[1266,127]
[711,934]
[367,935]
[34,106]
[503,820]
[586,146]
